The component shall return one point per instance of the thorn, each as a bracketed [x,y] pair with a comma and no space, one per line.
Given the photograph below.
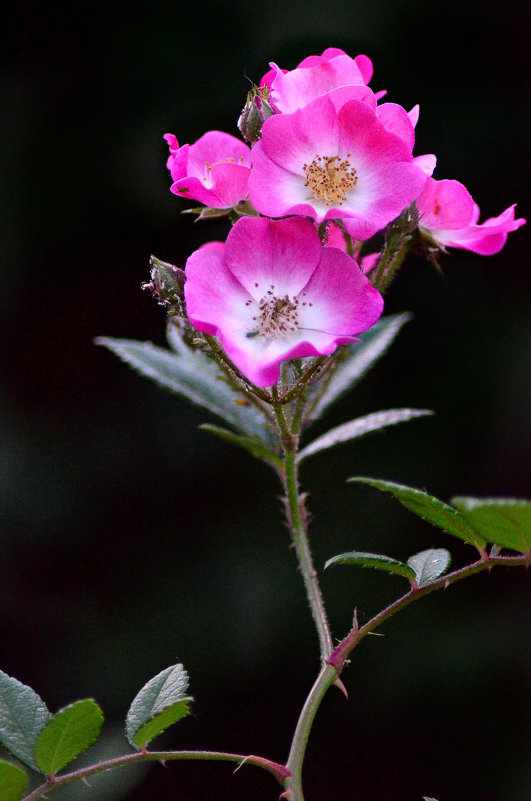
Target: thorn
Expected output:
[340,686]
[239,765]
[355,624]
[84,780]
[446,584]
[163,763]
[375,634]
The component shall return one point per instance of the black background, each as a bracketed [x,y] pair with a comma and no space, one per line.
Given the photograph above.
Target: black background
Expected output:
[129,538]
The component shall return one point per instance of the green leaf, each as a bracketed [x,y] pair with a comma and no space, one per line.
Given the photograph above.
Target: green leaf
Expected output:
[360,427]
[160,723]
[429,565]
[70,732]
[430,509]
[23,714]
[252,445]
[161,702]
[354,360]
[13,781]
[193,375]
[503,521]
[373,560]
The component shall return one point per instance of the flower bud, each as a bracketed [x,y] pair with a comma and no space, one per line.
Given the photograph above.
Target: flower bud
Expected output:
[255,112]
[167,285]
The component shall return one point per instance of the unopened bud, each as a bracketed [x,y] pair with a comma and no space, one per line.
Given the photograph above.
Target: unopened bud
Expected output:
[255,112]
[167,285]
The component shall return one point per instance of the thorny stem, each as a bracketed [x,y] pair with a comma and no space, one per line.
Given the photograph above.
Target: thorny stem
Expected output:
[53,782]
[297,521]
[335,664]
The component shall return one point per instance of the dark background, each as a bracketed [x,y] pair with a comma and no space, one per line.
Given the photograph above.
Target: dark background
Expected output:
[130,539]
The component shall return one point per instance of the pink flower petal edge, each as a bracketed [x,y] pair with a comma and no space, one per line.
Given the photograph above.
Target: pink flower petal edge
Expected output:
[449,215]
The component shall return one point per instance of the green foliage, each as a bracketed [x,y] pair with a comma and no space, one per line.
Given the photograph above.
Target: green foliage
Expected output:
[23,715]
[503,521]
[359,427]
[430,509]
[195,376]
[161,702]
[354,360]
[70,732]
[13,781]
[251,444]
[375,560]
[429,565]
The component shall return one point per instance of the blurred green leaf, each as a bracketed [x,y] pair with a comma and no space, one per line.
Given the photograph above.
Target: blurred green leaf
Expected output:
[503,521]
[70,732]
[354,360]
[375,560]
[161,702]
[13,781]
[23,715]
[193,375]
[251,444]
[430,509]
[359,427]
[429,565]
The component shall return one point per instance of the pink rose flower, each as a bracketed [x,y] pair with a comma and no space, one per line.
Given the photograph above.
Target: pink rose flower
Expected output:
[273,293]
[326,162]
[313,77]
[449,215]
[214,170]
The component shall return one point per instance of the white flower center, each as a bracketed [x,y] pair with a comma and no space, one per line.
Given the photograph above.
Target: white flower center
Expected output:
[277,317]
[330,179]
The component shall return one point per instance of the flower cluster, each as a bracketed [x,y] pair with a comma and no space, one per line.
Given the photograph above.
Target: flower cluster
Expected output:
[328,166]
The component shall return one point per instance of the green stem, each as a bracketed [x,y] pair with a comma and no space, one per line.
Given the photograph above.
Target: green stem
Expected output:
[297,521]
[293,784]
[297,517]
[53,782]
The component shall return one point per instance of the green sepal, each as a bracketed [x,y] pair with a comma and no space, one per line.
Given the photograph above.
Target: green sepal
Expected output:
[13,781]
[430,509]
[429,565]
[353,361]
[23,715]
[160,702]
[374,560]
[503,521]
[251,444]
[70,732]
[359,428]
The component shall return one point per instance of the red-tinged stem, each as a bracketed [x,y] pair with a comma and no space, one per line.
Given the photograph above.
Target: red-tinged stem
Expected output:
[280,772]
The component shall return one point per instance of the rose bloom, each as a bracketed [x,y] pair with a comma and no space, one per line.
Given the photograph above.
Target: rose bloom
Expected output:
[332,159]
[314,77]
[274,293]
[449,216]
[214,170]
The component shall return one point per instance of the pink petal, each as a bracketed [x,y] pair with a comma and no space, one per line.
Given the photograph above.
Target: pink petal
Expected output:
[397,121]
[445,204]
[365,137]
[214,298]
[292,140]
[343,301]
[284,254]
